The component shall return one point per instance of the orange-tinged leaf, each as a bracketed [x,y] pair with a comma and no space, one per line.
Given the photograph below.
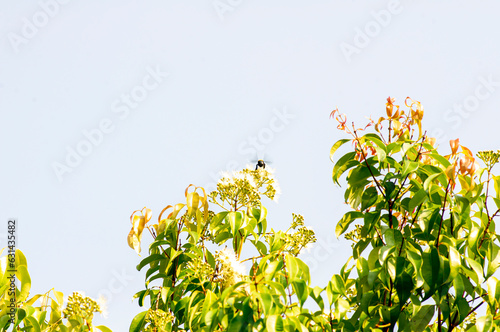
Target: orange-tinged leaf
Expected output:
[454,144]
[162,211]
[147,214]
[133,241]
[450,172]
[193,199]
[177,208]
[467,152]
[396,126]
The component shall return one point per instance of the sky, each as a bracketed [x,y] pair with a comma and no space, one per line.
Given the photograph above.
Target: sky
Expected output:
[107,107]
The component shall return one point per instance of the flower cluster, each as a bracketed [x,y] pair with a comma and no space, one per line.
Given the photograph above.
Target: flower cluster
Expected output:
[158,320]
[244,188]
[354,235]
[201,269]
[489,158]
[80,305]
[293,243]
[229,270]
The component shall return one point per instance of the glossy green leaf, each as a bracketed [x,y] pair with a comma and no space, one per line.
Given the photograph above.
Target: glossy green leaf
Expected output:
[337,145]
[483,324]
[138,322]
[274,323]
[343,164]
[477,269]
[420,197]
[430,267]
[346,220]
[455,262]
[24,277]
[301,290]
[369,197]
[404,287]
[422,317]
[34,324]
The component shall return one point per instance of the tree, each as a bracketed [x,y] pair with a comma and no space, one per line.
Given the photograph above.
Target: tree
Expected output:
[424,251]
[427,223]
[41,312]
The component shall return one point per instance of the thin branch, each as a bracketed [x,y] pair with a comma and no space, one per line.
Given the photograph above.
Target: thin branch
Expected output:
[442,214]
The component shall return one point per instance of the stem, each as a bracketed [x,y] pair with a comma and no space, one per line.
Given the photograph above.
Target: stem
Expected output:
[390,123]
[286,277]
[487,212]
[442,215]
[439,319]
[174,276]
[390,292]
[452,322]
[475,308]
[368,166]
[379,235]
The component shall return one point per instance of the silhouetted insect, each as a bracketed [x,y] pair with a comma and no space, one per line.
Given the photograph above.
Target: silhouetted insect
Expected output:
[260,164]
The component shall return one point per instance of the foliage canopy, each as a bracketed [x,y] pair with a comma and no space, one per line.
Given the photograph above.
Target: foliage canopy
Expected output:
[424,250]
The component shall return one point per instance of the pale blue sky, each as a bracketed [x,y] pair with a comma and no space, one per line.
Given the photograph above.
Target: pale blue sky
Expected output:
[240,74]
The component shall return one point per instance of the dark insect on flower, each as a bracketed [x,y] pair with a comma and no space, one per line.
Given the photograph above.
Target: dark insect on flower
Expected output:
[260,164]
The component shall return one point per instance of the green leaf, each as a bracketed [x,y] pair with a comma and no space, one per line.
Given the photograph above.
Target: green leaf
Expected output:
[34,324]
[338,285]
[217,219]
[375,139]
[21,259]
[422,318]
[235,219]
[346,220]
[138,322]
[103,328]
[315,293]
[430,268]
[409,167]
[149,259]
[369,197]
[455,262]
[274,323]
[478,269]
[343,164]
[24,277]
[440,159]
[359,176]
[381,154]
[271,269]
[337,145]
[493,259]
[483,324]
[404,287]
[301,290]
[496,184]
[418,198]
[393,237]
[237,324]
[360,247]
